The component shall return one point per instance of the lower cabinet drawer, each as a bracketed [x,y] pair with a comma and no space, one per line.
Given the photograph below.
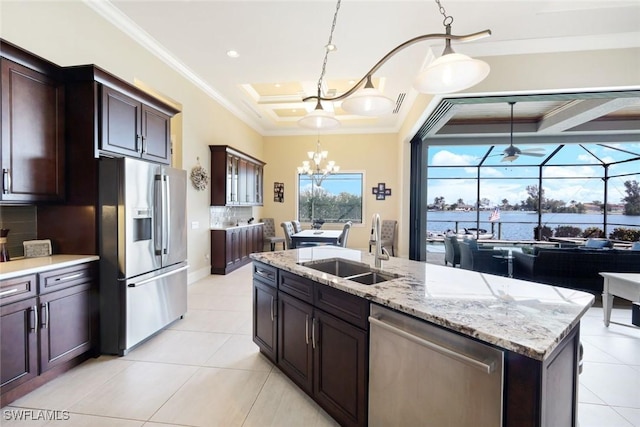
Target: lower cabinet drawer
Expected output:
[65,277]
[345,306]
[18,288]
[296,286]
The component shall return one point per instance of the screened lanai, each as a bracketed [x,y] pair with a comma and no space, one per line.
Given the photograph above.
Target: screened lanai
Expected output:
[581,151]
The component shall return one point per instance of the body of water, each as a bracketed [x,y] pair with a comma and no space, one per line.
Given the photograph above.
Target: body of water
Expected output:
[518,225]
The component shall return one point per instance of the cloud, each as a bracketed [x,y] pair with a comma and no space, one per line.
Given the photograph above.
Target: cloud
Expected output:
[447,158]
[571,172]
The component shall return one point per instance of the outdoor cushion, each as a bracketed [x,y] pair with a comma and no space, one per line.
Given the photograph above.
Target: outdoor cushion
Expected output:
[598,244]
[635,246]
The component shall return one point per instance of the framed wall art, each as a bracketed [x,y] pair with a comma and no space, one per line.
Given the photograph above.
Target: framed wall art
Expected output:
[278,192]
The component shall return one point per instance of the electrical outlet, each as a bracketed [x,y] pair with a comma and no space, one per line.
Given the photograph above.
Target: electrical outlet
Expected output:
[195,224]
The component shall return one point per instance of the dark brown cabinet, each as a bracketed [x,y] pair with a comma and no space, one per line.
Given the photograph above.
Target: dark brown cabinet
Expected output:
[236,177]
[134,129]
[66,325]
[322,340]
[46,334]
[265,300]
[33,131]
[230,248]
[18,343]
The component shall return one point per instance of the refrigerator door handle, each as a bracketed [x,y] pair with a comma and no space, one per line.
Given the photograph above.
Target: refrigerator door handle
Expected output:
[166,234]
[160,276]
[158,215]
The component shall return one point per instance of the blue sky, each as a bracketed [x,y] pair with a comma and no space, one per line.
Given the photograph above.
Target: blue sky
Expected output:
[337,183]
[581,189]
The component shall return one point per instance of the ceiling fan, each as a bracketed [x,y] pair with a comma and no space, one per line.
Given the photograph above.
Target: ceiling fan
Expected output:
[512,152]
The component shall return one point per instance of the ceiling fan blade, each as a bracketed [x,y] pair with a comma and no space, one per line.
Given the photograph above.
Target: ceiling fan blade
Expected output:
[526,153]
[534,149]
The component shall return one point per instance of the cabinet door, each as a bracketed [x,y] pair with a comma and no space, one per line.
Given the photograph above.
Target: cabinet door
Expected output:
[120,123]
[245,243]
[66,325]
[32,135]
[242,182]
[340,369]
[258,185]
[229,248]
[156,135]
[295,340]
[18,343]
[265,313]
[250,179]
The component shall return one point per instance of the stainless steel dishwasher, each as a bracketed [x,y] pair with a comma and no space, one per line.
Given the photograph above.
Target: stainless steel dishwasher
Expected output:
[424,375]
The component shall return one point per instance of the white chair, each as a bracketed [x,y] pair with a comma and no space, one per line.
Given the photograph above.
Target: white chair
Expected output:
[387,235]
[269,233]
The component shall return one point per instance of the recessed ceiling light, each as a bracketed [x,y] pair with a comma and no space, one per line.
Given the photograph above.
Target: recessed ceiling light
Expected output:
[232,54]
[277,85]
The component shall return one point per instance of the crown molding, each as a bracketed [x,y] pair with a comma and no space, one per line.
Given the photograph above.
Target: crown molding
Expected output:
[115,17]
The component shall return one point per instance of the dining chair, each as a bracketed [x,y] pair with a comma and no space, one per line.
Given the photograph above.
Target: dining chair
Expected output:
[297,227]
[342,240]
[269,233]
[287,227]
[387,235]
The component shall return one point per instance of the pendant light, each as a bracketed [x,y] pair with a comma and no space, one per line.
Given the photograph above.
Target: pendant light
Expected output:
[368,101]
[452,72]
[319,118]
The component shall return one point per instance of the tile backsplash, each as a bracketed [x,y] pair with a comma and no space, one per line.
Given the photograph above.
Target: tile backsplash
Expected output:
[229,215]
[22,223]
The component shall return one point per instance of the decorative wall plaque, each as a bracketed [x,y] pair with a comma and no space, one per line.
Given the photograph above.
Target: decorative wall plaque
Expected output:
[381,191]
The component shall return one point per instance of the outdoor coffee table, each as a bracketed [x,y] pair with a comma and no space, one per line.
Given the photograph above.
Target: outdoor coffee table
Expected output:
[623,285]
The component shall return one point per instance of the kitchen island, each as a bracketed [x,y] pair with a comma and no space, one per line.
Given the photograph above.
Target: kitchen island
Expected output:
[536,327]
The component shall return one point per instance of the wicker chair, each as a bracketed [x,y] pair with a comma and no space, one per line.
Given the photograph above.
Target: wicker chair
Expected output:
[473,257]
[451,250]
[269,233]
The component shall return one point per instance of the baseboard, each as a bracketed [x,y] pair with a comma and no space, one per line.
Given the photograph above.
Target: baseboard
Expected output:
[198,274]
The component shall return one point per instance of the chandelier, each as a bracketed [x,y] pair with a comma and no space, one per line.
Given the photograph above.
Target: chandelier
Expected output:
[318,167]
[451,72]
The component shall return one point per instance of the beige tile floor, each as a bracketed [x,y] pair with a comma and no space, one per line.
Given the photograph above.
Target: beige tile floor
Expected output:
[204,370]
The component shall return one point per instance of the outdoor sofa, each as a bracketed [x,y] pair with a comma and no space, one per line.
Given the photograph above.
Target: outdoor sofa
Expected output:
[575,268]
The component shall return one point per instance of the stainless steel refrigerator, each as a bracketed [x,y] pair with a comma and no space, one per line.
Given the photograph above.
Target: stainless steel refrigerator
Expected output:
[143,251]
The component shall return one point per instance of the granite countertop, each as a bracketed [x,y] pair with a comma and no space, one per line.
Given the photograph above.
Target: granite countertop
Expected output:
[23,266]
[229,227]
[525,317]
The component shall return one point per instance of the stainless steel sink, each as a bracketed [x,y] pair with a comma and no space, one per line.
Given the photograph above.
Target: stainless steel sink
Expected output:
[361,273]
[338,267]
[372,278]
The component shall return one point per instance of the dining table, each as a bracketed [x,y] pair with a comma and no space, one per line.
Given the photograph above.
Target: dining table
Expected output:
[329,237]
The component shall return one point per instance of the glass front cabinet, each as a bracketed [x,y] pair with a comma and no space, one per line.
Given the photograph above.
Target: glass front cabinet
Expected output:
[236,177]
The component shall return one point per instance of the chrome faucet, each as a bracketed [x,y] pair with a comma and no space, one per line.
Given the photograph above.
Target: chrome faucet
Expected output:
[380,252]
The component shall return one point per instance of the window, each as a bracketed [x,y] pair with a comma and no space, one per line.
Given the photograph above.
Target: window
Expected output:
[337,199]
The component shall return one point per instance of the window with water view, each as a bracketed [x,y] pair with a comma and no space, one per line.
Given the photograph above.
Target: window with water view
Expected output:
[337,198]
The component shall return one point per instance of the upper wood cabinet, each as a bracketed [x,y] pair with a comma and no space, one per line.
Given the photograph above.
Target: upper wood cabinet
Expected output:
[134,129]
[236,177]
[125,121]
[33,131]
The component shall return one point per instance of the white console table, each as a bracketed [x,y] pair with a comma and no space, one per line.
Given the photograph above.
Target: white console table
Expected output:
[623,285]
